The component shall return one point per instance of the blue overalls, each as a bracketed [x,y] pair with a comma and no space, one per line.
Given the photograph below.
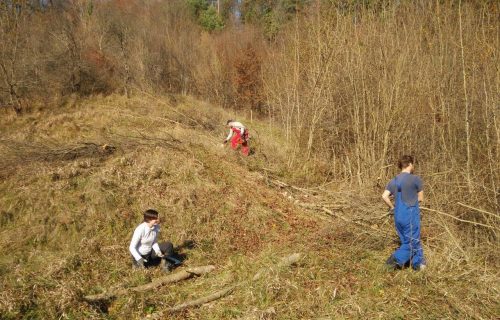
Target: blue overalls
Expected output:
[407,221]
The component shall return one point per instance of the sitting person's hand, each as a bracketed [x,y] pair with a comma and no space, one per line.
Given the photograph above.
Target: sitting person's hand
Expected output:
[140,264]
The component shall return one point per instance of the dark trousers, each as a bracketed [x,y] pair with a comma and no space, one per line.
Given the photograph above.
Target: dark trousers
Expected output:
[166,248]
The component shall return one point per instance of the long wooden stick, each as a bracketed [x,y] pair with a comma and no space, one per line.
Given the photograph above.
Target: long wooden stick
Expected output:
[466,100]
[462,220]
[198,302]
[172,278]
[480,210]
[284,262]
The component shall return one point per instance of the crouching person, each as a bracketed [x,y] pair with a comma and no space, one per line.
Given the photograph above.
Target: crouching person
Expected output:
[238,135]
[145,249]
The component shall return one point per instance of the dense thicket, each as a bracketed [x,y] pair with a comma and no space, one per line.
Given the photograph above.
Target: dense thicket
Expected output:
[360,89]
[353,84]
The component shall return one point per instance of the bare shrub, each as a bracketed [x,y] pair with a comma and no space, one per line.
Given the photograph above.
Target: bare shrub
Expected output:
[362,88]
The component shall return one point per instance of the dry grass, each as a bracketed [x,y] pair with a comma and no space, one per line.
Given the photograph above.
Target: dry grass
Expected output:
[66,223]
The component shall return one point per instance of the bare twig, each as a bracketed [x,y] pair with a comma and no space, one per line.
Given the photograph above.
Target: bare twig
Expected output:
[461,220]
[479,210]
[282,184]
[150,117]
[45,152]
[467,107]
[176,111]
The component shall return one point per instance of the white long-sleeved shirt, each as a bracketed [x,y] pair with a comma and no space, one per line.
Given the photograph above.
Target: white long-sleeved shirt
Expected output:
[237,125]
[144,240]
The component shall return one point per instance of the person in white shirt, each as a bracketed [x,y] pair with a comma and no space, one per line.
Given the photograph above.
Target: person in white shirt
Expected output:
[144,246]
[238,135]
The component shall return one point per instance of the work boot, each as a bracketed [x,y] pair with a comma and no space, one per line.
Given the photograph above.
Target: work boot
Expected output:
[420,267]
[391,264]
[166,266]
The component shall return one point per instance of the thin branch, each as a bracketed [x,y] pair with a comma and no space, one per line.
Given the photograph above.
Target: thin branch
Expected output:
[284,262]
[479,210]
[467,108]
[461,220]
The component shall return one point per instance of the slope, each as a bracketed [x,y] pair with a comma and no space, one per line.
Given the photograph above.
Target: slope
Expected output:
[75,181]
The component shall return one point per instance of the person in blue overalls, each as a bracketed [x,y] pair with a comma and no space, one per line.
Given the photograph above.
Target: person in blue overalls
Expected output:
[408,192]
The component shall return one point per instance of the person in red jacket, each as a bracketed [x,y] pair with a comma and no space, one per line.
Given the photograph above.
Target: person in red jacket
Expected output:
[238,135]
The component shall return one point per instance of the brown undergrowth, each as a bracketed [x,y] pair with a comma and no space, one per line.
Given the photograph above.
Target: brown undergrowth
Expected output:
[75,181]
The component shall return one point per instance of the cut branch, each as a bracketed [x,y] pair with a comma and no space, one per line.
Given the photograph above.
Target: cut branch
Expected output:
[282,185]
[179,276]
[479,210]
[284,262]
[358,224]
[198,302]
[461,220]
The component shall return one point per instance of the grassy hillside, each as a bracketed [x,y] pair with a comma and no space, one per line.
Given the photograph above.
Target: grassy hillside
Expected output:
[74,183]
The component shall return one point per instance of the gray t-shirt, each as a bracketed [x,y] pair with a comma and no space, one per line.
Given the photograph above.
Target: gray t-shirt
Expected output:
[410,186]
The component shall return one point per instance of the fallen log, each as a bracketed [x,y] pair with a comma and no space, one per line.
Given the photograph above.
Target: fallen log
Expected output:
[172,278]
[284,262]
[198,302]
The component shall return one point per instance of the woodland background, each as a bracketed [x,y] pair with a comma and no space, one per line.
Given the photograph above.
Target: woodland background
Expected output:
[333,92]
[353,84]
